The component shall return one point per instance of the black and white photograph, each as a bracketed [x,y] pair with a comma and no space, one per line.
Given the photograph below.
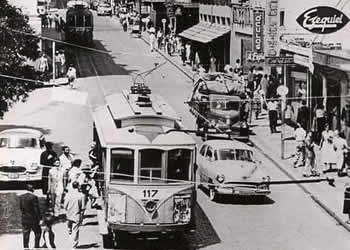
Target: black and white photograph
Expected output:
[175,124]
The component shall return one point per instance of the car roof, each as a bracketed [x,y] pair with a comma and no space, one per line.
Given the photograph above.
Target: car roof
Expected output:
[23,131]
[227,144]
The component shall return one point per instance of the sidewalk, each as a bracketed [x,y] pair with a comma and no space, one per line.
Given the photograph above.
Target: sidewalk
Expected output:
[327,197]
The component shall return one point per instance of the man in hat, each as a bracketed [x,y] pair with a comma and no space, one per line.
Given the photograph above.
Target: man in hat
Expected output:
[47,160]
[303,115]
[345,117]
[31,216]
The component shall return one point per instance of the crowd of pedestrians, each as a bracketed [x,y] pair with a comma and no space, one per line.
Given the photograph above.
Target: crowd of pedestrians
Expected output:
[53,21]
[68,187]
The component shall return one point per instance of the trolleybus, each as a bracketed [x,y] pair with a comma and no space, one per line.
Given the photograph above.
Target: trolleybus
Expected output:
[148,165]
[79,23]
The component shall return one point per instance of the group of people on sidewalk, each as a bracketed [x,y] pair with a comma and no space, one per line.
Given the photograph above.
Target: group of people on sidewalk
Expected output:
[68,187]
[50,20]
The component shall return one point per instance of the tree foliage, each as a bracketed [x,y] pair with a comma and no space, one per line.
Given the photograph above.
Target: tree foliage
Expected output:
[16,49]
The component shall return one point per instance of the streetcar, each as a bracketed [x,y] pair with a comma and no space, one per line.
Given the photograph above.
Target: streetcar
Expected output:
[79,24]
[218,104]
[148,163]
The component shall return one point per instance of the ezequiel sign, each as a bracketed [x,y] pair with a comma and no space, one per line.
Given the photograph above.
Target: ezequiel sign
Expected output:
[322,20]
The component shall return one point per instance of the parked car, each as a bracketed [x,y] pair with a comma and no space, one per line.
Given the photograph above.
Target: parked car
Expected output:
[104,9]
[20,151]
[229,167]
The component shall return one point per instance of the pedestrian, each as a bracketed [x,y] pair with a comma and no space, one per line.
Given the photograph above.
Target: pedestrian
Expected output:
[45,21]
[183,54]
[319,121]
[62,58]
[56,187]
[188,48]
[346,206]
[300,135]
[159,39]
[303,115]
[31,216]
[57,22]
[310,163]
[272,108]
[152,40]
[345,117]
[50,17]
[125,25]
[288,114]
[71,75]
[264,85]
[47,160]
[328,156]
[74,172]
[48,234]
[75,207]
[212,68]
[341,148]
[43,63]
[93,154]
[61,24]
[201,70]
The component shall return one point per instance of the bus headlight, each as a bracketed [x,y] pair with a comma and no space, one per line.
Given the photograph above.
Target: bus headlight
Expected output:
[116,207]
[182,208]
[220,178]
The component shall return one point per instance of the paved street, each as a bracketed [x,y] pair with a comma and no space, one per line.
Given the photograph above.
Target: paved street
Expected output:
[288,220]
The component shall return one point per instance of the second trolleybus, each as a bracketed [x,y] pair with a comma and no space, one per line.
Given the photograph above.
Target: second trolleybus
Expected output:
[148,165]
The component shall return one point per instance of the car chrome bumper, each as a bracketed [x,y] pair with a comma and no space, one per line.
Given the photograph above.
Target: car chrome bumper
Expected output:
[20,177]
[242,191]
[142,228]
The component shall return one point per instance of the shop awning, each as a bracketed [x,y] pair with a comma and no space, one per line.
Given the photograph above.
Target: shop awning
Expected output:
[204,32]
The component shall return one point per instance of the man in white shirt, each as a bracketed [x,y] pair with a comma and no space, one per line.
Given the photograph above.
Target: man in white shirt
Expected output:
[341,147]
[300,135]
[56,187]
[66,158]
[272,108]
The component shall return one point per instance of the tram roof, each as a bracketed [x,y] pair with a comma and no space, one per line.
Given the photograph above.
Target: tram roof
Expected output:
[136,135]
[124,105]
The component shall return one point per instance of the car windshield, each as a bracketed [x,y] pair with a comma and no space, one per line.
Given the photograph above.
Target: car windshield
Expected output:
[18,142]
[225,104]
[229,154]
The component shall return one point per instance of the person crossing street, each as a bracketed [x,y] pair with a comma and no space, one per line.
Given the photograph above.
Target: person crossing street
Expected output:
[56,187]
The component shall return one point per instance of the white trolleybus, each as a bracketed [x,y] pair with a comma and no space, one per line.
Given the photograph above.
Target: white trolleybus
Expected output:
[148,165]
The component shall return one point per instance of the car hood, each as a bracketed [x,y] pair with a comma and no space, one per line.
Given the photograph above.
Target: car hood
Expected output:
[238,170]
[19,156]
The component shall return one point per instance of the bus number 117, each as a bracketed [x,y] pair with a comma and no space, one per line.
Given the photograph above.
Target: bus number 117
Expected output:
[149,193]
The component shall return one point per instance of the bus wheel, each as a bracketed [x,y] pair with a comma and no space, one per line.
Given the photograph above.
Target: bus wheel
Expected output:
[108,240]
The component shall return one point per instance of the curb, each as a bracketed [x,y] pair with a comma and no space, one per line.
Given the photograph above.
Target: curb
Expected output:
[169,60]
[276,163]
[305,190]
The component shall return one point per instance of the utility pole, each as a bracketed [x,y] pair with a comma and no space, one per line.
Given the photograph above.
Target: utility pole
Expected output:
[53,62]
[140,16]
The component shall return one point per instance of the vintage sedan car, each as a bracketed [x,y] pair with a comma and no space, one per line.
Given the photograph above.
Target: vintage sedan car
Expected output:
[228,167]
[20,155]
[104,9]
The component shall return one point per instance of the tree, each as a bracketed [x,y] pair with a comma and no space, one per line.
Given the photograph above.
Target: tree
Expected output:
[17,47]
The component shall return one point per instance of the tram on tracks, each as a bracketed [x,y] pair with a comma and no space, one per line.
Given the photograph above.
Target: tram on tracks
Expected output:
[148,165]
[79,23]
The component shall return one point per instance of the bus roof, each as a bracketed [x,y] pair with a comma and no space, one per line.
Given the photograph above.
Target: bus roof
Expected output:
[132,119]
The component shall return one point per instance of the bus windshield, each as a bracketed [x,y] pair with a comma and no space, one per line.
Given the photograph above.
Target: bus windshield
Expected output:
[122,165]
[179,161]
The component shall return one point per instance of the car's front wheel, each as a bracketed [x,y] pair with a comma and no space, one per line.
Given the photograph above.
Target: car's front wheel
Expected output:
[213,195]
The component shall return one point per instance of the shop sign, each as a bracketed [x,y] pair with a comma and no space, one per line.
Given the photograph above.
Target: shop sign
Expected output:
[258,31]
[280,60]
[322,20]
[254,57]
[271,33]
[242,15]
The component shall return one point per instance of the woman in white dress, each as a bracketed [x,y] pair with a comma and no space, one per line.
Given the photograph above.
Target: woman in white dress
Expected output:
[328,154]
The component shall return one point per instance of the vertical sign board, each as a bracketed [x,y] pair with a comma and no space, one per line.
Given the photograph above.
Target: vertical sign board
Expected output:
[271,34]
[258,31]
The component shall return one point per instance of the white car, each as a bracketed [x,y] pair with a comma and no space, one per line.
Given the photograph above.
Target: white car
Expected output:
[228,167]
[104,9]
[20,155]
